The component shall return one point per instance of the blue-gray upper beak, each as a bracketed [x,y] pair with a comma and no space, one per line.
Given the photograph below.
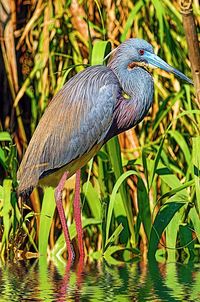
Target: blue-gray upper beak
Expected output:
[156,61]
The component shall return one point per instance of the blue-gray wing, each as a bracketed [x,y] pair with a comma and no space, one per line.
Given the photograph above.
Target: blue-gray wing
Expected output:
[77,118]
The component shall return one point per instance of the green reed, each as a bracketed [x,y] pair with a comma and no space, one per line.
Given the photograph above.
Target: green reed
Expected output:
[141,192]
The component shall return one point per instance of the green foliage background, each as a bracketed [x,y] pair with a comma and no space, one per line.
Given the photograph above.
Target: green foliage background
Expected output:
[141,192]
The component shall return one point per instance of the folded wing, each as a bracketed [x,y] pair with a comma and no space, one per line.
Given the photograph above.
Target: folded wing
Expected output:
[77,118]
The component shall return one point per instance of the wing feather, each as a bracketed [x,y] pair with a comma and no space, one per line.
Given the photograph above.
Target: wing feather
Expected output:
[77,118]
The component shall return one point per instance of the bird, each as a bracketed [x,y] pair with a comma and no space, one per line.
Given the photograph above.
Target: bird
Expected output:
[93,106]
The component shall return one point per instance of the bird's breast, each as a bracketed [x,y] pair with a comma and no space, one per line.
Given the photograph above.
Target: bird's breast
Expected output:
[129,111]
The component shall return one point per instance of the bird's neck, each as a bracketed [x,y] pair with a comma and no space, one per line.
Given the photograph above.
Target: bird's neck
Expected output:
[135,99]
[138,85]
[135,82]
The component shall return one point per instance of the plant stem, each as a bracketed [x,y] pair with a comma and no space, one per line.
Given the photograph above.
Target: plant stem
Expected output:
[192,42]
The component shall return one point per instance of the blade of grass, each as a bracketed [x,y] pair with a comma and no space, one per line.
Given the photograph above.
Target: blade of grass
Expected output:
[177,190]
[163,217]
[114,235]
[7,209]
[101,17]
[193,215]
[92,199]
[144,207]
[155,163]
[186,239]
[99,51]
[137,7]
[46,216]
[196,167]
[116,161]
[160,15]
[175,134]
[120,180]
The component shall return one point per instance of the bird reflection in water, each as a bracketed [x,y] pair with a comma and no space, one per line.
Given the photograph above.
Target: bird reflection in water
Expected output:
[64,289]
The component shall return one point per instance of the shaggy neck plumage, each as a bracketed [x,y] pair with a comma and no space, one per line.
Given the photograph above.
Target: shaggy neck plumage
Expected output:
[137,84]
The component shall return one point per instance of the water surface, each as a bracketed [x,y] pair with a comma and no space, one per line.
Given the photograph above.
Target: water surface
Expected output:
[40,280]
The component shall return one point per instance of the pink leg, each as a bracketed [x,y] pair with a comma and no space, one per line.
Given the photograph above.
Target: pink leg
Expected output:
[77,214]
[58,198]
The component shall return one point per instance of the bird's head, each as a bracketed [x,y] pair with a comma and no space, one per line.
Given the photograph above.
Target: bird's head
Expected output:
[139,53]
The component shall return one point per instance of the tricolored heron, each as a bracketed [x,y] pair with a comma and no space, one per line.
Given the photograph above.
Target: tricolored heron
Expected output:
[88,111]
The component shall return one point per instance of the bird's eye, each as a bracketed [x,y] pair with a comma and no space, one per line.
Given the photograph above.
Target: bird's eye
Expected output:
[141,51]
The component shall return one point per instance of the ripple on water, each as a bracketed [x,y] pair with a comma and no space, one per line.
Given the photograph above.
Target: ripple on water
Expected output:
[42,281]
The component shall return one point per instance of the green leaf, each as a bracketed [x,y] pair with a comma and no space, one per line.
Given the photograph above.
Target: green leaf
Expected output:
[1,193]
[7,209]
[116,161]
[164,111]
[108,254]
[120,180]
[163,217]
[172,228]
[160,15]
[5,136]
[121,218]
[171,235]
[47,212]
[101,17]
[172,181]
[100,51]
[3,158]
[144,207]
[195,221]
[186,239]
[131,18]
[92,199]
[115,234]
[145,166]
[196,165]
[182,143]
[155,163]
[177,190]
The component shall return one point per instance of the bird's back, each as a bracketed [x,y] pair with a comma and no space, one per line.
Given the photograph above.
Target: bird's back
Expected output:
[77,119]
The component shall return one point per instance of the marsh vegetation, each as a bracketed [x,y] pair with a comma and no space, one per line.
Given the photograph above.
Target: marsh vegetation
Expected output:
[141,192]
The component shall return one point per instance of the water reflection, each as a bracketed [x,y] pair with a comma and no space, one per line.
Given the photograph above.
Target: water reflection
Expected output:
[58,281]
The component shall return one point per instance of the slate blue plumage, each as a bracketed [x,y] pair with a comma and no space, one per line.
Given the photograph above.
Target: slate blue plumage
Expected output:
[88,111]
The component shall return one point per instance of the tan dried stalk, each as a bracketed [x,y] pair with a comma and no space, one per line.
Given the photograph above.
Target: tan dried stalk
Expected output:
[192,42]
[9,55]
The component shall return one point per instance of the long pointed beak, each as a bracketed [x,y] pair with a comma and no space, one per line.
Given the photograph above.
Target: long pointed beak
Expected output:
[156,61]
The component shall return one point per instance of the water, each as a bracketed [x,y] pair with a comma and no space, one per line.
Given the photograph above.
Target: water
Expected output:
[54,281]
